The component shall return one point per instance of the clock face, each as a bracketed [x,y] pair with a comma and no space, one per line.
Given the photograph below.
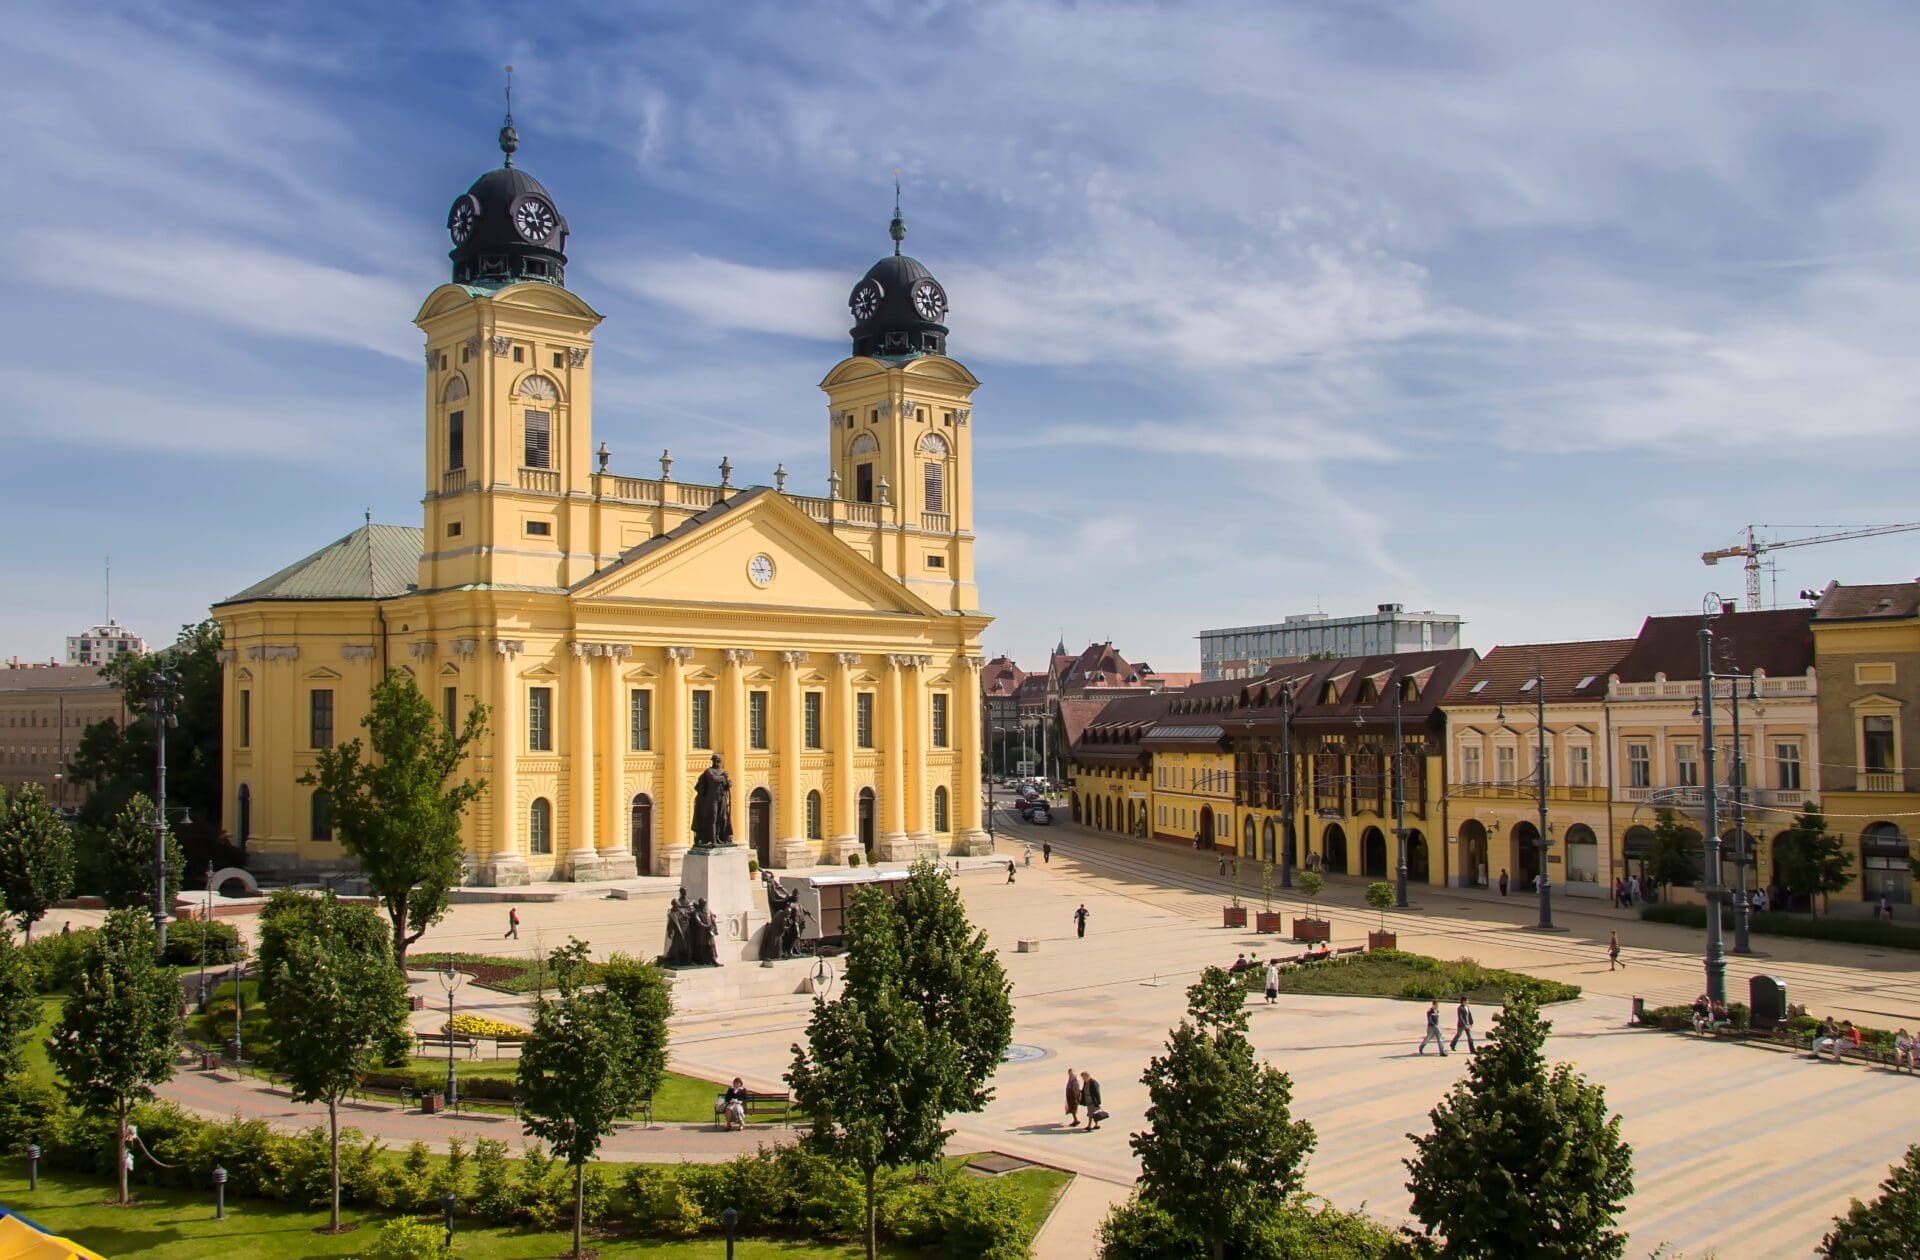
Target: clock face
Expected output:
[760,569]
[929,301]
[460,220]
[865,301]
[535,219]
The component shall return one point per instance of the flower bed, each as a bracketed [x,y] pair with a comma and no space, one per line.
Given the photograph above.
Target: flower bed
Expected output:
[1396,974]
[483,1026]
[503,975]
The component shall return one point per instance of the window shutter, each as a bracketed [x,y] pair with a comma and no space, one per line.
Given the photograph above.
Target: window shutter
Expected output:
[539,439]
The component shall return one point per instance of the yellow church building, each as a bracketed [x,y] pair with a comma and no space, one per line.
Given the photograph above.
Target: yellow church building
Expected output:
[623,630]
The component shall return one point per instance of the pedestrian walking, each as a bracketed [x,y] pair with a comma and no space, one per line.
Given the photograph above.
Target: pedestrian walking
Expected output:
[1046,851]
[1613,951]
[1026,854]
[1223,866]
[1273,982]
[1009,870]
[513,923]
[1080,921]
[1633,890]
[1073,1098]
[1433,1030]
[1090,1099]
[1503,881]
[1462,1025]
[1886,908]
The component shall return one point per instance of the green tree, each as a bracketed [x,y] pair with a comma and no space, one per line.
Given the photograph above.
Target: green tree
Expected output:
[19,1006]
[575,1076]
[1888,1226]
[335,1004]
[1812,859]
[117,761]
[126,867]
[1522,1162]
[1221,1153]
[640,990]
[115,1037]
[397,805]
[291,915]
[36,856]
[1673,852]
[920,1024]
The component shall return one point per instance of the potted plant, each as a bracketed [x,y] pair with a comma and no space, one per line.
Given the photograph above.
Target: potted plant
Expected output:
[1380,896]
[1235,915]
[1311,929]
[1268,920]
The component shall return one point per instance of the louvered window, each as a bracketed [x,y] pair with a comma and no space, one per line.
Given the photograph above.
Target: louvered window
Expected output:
[539,439]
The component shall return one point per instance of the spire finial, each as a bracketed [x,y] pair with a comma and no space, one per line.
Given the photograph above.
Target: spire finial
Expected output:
[898,228]
[509,138]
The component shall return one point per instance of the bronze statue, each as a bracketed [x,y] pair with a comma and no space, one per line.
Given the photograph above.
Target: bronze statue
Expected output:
[705,935]
[785,919]
[713,807]
[679,931]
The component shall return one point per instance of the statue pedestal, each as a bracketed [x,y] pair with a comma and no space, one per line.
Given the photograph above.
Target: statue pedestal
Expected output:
[720,875]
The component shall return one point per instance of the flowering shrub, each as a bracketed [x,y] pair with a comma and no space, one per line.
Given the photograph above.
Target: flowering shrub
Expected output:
[482,1026]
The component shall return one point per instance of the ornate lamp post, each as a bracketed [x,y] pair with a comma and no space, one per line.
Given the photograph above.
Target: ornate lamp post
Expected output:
[1539,683]
[1710,887]
[160,704]
[450,980]
[1399,804]
[1737,780]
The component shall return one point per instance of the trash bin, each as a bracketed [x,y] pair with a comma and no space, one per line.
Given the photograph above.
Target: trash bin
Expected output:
[1767,999]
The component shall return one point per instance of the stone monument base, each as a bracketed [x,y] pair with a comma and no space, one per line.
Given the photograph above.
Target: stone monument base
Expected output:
[894,848]
[974,843]
[669,862]
[719,874]
[788,854]
[584,866]
[501,871]
[617,864]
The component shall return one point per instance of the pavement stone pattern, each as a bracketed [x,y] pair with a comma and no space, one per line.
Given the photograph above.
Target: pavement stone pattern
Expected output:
[1743,1151]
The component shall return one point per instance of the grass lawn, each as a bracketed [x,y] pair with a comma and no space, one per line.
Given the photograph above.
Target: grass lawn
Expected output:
[1394,973]
[39,1066]
[174,1225]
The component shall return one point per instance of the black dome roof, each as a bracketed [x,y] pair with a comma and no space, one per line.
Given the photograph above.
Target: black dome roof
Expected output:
[506,227]
[898,305]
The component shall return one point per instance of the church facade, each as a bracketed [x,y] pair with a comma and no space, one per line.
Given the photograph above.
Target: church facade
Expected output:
[624,630]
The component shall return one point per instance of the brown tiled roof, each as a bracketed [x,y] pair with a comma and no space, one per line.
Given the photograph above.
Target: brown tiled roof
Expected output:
[1863,603]
[1113,736]
[1777,640]
[1363,692]
[1573,671]
[52,678]
[1099,663]
[1175,682]
[1001,677]
[1076,715]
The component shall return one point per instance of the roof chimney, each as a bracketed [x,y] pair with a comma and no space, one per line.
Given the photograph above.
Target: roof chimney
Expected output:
[1726,607]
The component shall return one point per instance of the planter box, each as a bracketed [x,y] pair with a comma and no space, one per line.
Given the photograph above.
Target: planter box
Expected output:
[209,1061]
[1029,945]
[415,1002]
[1312,931]
[1267,921]
[1234,916]
[432,1104]
[1382,940]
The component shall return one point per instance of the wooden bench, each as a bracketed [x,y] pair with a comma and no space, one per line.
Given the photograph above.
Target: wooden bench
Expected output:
[440,1041]
[758,1103]
[500,1043]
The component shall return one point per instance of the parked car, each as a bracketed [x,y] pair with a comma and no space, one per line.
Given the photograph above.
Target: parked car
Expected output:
[1029,808]
[1039,817]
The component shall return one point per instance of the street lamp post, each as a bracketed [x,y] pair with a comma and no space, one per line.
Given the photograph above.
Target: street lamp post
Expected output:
[1716,960]
[1539,683]
[1399,806]
[162,705]
[450,980]
[1286,784]
[447,1202]
[1736,774]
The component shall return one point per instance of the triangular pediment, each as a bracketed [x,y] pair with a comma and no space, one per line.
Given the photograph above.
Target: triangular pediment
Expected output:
[323,674]
[713,558]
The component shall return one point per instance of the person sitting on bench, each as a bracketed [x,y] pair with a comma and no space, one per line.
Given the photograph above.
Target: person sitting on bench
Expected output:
[731,1107]
[1906,1049]
[1835,1039]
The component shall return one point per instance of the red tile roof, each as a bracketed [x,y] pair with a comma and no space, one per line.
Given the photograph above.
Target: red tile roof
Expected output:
[1573,671]
[1001,677]
[1777,640]
[1863,603]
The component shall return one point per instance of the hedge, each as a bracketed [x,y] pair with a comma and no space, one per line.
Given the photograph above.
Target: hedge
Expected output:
[1809,927]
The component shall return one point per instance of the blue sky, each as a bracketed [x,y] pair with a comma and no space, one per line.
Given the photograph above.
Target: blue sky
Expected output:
[1503,309]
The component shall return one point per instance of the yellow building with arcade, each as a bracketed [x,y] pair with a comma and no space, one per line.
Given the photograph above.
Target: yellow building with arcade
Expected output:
[625,629]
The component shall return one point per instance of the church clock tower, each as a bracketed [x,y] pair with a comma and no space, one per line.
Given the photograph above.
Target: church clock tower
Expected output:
[900,416]
[509,394]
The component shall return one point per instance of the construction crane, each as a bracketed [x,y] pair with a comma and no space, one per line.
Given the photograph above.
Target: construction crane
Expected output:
[1755,547]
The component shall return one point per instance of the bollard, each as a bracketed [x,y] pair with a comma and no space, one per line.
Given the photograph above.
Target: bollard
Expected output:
[33,1167]
[730,1218]
[447,1202]
[219,1193]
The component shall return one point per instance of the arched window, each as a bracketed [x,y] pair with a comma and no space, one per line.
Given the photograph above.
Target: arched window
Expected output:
[1885,865]
[864,445]
[540,827]
[456,390]
[538,387]
[815,829]
[933,444]
[320,813]
[940,810]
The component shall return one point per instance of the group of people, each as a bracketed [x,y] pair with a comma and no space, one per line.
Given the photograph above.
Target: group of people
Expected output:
[1084,1091]
[1462,1027]
[1630,890]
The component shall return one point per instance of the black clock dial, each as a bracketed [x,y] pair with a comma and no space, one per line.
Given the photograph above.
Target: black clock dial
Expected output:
[865,301]
[929,301]
[535,219]
[460,220]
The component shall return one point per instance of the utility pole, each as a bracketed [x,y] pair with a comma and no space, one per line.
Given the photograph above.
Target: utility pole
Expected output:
[162,706]
[1286,790]
[1716,961]
[1399,805]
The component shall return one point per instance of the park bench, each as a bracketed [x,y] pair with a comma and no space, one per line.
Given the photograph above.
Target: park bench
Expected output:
[758,1103]
[501,1043]
[1345,950]
[440,1041]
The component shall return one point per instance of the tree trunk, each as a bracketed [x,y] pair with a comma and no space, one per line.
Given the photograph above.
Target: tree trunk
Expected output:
[29,931]
[579,1202]
[333,1159]
[1219,1249]
[873,1235]
[399,914]
[120,1152]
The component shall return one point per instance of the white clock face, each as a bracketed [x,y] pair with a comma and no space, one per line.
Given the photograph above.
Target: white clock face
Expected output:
[929,301]
[866,300]
[535,219]
[760,570]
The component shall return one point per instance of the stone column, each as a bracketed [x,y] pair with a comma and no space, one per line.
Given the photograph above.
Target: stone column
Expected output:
[846,802]
[791,846]
[507,863]
[676,828]
[963,713]
[731,743]
[580,858]
[893,843]
[919,773]
[616,842]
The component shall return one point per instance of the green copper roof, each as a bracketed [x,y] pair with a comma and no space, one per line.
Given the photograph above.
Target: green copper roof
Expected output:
[373,562]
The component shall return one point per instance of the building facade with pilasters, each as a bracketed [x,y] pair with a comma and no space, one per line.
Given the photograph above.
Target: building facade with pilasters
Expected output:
[624,630]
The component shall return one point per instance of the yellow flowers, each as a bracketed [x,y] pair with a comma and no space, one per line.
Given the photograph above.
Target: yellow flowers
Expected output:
[481,1026]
